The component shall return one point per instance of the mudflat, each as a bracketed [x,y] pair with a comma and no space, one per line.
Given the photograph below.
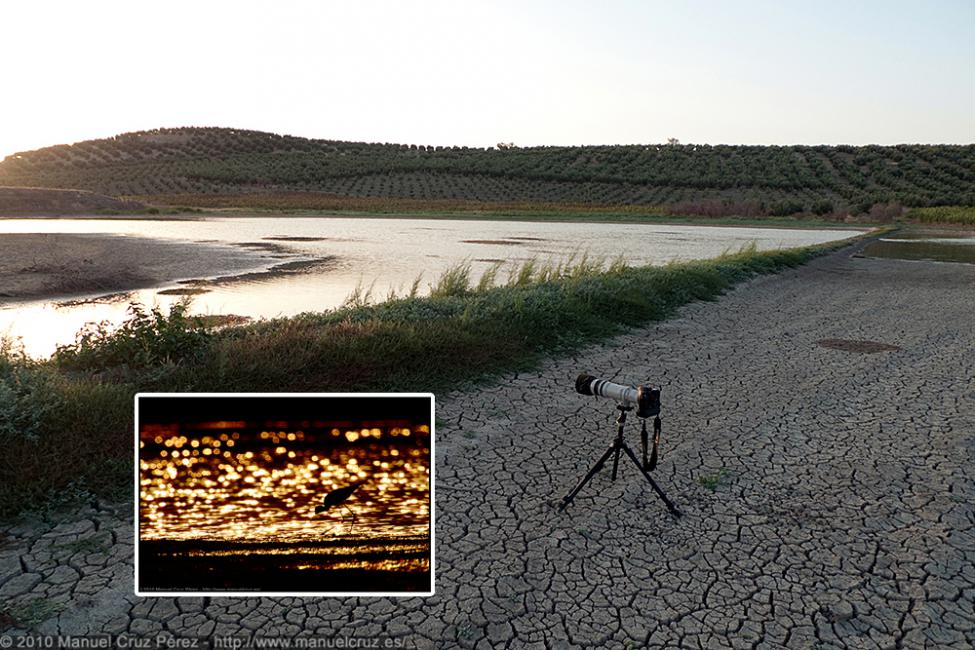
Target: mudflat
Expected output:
[60,265]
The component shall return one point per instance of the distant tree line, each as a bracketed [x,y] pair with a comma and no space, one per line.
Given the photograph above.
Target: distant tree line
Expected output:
[773,180]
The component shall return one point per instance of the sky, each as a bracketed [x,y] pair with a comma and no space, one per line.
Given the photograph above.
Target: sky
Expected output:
[478,73]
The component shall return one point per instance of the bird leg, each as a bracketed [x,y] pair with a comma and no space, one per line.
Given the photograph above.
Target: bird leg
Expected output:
[352,525]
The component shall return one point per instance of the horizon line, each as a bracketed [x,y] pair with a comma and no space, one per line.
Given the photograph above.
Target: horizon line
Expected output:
[514,145]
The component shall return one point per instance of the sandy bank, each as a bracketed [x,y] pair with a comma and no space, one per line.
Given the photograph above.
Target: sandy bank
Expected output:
[59,265]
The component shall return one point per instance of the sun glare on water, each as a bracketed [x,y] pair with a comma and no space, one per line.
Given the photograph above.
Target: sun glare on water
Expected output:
[221,485]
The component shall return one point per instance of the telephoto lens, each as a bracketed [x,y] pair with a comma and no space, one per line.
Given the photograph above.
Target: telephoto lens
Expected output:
[645,399]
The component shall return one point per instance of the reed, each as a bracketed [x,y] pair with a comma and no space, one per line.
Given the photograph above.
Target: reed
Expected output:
[958,215]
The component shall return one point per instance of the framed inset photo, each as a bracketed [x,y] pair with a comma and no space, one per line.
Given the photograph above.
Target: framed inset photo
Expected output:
[284,494]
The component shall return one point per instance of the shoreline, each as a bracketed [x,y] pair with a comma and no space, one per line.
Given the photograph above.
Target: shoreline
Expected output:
[90,266]
[623,219]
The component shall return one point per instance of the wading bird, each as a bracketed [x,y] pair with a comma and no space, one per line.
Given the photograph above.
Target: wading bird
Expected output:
[338,498]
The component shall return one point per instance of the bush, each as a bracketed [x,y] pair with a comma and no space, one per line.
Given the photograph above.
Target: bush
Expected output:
[885,212]
[59,435]
[145,339]
[822,208]
[786,208]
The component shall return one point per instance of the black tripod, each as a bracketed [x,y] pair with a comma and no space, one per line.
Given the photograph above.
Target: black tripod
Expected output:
[614,451]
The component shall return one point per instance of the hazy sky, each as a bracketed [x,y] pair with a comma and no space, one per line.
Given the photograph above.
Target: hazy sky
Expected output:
[476,73]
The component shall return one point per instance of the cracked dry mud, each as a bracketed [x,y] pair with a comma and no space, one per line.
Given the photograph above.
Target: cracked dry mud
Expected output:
[827,495]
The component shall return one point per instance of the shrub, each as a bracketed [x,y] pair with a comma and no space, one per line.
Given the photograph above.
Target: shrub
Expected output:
[822,208]
[145,339]
[60,435]
[885,212]
[786,208]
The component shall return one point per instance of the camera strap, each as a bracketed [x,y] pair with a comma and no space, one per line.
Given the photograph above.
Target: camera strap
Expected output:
[651,464]
[643,442]
[656,443]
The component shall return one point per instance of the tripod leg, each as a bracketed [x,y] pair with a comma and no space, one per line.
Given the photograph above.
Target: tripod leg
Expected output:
[621,422]
[592,472]
[656,488]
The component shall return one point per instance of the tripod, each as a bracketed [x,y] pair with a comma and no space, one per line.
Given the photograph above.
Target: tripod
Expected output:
[614,451]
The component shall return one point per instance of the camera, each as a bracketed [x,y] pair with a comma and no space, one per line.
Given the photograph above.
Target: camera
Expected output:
[645,399]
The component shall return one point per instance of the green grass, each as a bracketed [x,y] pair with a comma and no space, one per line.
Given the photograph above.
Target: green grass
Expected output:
[32,613]
[944,214]
[712,481]
[96,544]
[66,423]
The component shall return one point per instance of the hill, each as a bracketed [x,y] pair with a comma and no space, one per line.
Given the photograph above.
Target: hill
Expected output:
[217,166]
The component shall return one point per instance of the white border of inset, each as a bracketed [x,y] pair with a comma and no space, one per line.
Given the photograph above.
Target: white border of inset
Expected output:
[293,594]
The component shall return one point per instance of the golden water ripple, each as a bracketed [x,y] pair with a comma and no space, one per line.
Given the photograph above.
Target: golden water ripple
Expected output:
[223,487]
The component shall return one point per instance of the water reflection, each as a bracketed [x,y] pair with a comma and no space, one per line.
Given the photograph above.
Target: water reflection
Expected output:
[200,483]
[933,245]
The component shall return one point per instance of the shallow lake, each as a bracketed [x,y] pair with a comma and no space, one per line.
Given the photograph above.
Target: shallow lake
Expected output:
[926,244]
[384,254]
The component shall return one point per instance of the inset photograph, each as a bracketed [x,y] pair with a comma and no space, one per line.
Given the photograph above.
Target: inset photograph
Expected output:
[284,494]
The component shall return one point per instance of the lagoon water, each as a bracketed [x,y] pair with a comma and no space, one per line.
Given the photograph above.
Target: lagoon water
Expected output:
[384,254]
[926,244]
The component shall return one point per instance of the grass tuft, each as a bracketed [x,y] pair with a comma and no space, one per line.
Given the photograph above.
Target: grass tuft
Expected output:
[523,274]
[712,481]
[360,297]
[96,544]
[455,281]
[33,612]
[489,278]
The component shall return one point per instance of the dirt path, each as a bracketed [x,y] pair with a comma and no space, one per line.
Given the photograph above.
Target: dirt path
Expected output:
[841,513]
